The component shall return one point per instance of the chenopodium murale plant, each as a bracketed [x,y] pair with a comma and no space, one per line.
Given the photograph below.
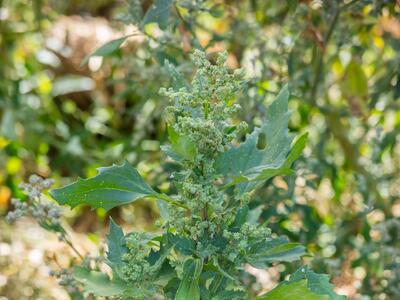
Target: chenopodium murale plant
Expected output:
[206,237]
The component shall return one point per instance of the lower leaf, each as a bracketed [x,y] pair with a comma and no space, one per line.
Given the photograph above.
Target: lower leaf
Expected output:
[189,286]
[98,284]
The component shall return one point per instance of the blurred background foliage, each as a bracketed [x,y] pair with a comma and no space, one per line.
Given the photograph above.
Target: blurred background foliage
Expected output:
[62,119]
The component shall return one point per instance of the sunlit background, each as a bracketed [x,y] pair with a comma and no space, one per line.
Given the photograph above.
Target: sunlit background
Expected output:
[63,114]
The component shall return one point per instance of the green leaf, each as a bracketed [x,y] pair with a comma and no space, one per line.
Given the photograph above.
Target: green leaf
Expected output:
[7,127]
[262,254]
[181,146]
[158,13]
[240,218]
[116,247]
[183,244]
[178,81]
[157,258]
[230,295]
[318,283]
[97,283]
[105,50]
[355,83]
[354,87]
[292,291]
[247,165]
[113,186]
[304,284]
[189,286]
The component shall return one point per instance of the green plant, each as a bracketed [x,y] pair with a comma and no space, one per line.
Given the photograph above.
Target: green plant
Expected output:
[207,234]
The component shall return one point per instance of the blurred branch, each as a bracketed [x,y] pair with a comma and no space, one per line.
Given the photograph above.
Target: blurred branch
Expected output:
[332,116]
[319,68]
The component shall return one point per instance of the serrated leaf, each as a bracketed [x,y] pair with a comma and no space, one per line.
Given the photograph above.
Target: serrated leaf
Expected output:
[98,284]
[263,254]
[292,291]
[113,186]
[318,283]
[105,50]
[247,166]
[158,13]
[189,286]
[116,247]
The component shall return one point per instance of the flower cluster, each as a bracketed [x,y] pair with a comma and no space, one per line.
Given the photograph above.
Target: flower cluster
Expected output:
[240,241]
[136,267]
[66,279]
[203,113]
[44,211]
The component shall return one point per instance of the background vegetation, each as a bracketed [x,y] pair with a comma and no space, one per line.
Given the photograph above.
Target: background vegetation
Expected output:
[62,119]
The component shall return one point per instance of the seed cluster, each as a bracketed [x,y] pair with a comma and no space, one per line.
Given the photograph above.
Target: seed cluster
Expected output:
[204,113]
[45,212]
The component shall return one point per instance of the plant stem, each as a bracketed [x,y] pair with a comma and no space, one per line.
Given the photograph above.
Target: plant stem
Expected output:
[169,200]
[69,243]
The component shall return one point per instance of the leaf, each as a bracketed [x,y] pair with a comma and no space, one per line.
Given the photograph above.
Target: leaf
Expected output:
[105,50]
[157,258]
[354,87]
[304,284]
[292,291]
[72,84]
[318,283]
[181,146]
[178,81]
[113,186]
[247,165]
[97,283]
[116,247]
[158,13]
[189,286]
[7,127]
[355,82]
[262,254]
[183,244]
[230,295]
[240,218]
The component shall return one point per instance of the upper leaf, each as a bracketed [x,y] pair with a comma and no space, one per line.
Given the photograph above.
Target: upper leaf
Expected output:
[247,165]
[105,50]
[181,146]
[98,284]
[262,254]
[158,13]
[113,186]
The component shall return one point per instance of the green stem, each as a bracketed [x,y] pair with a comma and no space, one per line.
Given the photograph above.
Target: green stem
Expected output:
[169,200]
[206,109]
[216,285]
